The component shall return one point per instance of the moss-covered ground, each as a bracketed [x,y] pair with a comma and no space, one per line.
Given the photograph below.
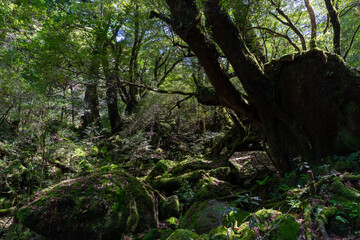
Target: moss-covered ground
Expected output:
[150,196]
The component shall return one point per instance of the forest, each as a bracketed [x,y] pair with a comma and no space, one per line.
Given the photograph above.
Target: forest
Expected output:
[179,119]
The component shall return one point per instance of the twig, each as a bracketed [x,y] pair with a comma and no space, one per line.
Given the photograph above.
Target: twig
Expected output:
[178,104]
[289,23]
[135,85]
[276,34]
[351,42]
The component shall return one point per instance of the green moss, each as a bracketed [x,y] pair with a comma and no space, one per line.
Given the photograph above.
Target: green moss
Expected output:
[264,214]
[284,226]
[351,177]
[23,213]
[110,167]
[202,217]
[220,173]
[173,183]
[339,188]
[211,187]
[307,220]
[169,207]
[160,168]
[336,58]
[245,232]
[172,222]
[191,165]
[288,228]
[133,217]
[183,234]
[237,216]
[287,58]
[223,232]
[152,234]
[186,220]
[107,204]
[329,211]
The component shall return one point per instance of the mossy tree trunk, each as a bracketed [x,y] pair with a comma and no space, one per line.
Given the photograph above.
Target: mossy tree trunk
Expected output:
[91,100]
[306,104]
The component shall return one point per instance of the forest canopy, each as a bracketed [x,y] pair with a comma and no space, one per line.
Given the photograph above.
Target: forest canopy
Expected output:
[249,106]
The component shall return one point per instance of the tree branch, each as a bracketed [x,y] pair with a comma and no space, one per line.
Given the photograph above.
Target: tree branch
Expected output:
[290,24]
[313,23]
[168,72]
[186,23]
[327,24]
[124,83]
[161,17]
[334,19]
[351,42]
[276,34]
[347,9]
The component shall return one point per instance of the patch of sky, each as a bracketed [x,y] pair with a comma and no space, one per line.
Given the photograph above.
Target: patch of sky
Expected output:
[121,35]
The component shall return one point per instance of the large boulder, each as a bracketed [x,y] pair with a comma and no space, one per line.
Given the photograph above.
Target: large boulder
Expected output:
[99,206]
[204,216]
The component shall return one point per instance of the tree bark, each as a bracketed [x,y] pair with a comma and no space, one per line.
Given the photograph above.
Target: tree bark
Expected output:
[313,23]
[133,92]
[92,114]
[335,21]
[111,94]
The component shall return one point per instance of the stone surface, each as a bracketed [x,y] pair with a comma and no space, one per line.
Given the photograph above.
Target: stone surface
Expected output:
[99,206]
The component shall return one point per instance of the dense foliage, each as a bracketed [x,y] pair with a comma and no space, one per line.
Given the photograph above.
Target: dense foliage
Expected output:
[127,119]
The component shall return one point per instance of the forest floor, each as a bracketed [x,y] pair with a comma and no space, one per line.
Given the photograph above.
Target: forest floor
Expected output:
[190,196]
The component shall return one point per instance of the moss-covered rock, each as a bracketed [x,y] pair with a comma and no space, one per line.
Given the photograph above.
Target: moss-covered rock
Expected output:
[220,173]
[340,189]
[202,217]
[169,207]
[286,228]
[184,234]
[244,232]
[210,188]
[103,205]
[190,165]
[222,232]
[173,183]
[279,226]
[160,168]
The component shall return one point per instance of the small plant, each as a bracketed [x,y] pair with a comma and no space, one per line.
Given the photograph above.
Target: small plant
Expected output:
[341,219]
[185,192]
[284,187]
[263,182]
[294,202]
[247,199]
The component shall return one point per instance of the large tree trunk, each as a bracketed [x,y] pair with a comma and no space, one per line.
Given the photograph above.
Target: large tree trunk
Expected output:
[306,104]
[92,114]
[112,106]
[322,95]
[111,94]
